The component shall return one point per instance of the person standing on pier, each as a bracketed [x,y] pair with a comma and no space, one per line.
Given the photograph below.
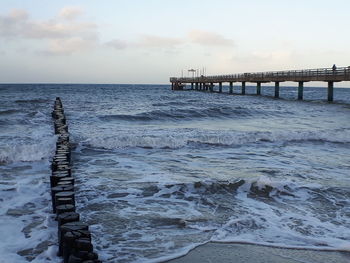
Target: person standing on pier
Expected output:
[334,68]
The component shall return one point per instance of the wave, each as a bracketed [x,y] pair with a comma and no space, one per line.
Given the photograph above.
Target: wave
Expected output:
[32,101]
[6,112]
[261,186]
[182,138]
[191,113]
[27,152]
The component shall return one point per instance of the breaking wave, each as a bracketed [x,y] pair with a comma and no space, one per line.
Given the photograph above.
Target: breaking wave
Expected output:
[27,152]
[189,113]
[179,139]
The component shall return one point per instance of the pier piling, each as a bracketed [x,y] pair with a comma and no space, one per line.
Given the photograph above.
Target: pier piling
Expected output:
[243,88]
[258,88]
[277,89]
[300,90]
[330,90]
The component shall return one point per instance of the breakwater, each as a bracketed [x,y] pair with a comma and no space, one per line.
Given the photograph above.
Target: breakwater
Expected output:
[74,237]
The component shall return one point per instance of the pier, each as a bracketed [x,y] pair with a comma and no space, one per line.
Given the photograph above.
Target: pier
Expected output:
[207,83]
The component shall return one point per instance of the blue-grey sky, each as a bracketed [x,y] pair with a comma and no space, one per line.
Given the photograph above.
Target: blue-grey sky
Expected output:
[147,41]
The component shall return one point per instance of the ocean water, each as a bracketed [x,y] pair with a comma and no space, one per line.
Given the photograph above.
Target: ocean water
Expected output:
[160,172]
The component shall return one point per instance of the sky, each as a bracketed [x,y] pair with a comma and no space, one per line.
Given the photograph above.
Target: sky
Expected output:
[148,41]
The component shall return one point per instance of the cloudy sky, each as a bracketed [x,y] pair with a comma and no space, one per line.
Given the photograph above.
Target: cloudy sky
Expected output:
[147,41]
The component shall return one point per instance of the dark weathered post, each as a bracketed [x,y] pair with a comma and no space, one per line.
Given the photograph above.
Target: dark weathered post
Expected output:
[196,85]
[220,87]
[211,87]
[192,85]
[277,89]
[243,88]
[258,88]
[300,90]
[231,87]
[330,90]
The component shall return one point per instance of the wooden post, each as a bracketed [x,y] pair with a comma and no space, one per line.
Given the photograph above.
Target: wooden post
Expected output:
[277,89]
[258,88]
[330,90]
[231,87]
[196,86]
[192,85]
[220,87]
[211,87]
[243,88]
[300,90]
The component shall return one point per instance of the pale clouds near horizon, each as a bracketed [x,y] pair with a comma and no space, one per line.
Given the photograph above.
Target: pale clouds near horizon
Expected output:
[87,43]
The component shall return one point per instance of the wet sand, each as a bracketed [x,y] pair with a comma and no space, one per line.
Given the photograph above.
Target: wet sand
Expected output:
[246,253]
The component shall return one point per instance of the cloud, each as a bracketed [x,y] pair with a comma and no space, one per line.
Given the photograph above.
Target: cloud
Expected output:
[117,44]
[11,24]
[67,46]
[196,37]
[62,30]
[17,24]
[70,12]
[159,42]
[206,38]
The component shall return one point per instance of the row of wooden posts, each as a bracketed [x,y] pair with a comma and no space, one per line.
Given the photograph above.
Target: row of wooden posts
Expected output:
[199,86]
[74,237]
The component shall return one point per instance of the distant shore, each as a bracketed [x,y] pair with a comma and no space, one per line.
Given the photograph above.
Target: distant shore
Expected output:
[247,253]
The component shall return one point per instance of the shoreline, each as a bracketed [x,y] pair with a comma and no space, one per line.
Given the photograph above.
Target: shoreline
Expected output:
[253,253]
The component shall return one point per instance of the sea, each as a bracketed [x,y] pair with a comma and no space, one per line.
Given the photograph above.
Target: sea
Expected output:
[160,172]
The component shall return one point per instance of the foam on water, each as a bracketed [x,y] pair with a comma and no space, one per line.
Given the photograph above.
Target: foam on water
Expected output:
[27,229]
[260,211]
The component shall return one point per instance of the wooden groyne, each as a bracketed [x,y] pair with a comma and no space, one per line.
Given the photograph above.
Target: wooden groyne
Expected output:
[74,236]
[206,83]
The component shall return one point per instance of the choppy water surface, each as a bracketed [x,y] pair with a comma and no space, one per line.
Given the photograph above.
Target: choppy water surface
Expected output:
[160,172]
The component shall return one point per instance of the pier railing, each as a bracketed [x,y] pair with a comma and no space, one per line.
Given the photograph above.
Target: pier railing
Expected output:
[320,74]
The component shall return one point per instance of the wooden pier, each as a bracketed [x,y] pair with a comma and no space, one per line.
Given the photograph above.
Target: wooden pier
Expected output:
[206,83]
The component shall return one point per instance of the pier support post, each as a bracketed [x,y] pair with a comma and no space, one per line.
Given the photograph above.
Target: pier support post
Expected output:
[196,86]
[192,85]
[330,90]
[243,88]
[211,87]
[220,87]
[172,85]
[277,89]
[231,87]
[300,90]
[200,86]
[258,88]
